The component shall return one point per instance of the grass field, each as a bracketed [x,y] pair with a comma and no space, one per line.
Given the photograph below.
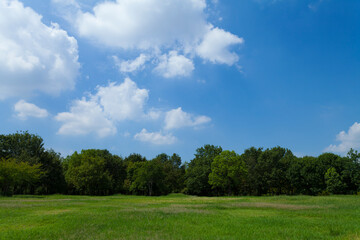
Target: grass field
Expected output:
[179,217]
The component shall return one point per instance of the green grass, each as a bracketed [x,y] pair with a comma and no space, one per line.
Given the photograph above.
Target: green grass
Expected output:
[179,217]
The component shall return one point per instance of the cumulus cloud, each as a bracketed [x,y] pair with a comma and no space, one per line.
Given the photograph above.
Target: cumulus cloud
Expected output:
[215,47]
[131,65]
[24,110]
[143,24]
[33,56]
[173,65]
[85,116]
[177,118]
[123,101]
[155,137]
[348,140]
[101,111]
[154,114]
[158,26]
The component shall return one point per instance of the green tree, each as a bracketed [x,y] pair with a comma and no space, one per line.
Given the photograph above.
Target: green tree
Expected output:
[21,145]
[53,179]
[29,148]
[228,173]
[333,181]
[271,170]
[94,172]
[131,163]
[295,180]
[14,174]
[252,184]
[198,170]
[312,175]
[351,173]
[174,171]
[149,179]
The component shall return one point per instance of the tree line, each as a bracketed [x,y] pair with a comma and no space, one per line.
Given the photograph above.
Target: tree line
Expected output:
[26,167]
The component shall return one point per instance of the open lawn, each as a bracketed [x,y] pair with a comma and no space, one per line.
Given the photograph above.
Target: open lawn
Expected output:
[179,217]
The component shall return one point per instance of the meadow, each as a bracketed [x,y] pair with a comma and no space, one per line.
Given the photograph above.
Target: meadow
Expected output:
[178,216]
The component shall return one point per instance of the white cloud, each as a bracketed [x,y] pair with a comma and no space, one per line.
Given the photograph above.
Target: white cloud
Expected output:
[215,47]
[131,65]
[124,101]
[173,65]
[158,26]
[100,113]
[85,116]
[348,140]
[111,104]
[33,56]
[177,118]
[154,114]
[144,24]
[155,137]
[24,110]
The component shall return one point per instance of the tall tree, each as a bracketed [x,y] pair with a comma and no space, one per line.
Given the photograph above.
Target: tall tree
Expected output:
[14,173]
[197,173]
[149,179]
[94,172]
[228,173]
[271,169]
[252,184]
[29,148]
[131,163]
[174,171]
[333,181]
[351,173]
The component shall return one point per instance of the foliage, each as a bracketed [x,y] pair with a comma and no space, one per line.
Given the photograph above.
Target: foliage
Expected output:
[351,173]
[22,145]
[333,181]
[28,168]
[93,172]
[13,173]
[174,171]
[252,185]
[149,179]
[161,175]
[29,148]
[53,179]
[197,173]
[271,168]
[228,172]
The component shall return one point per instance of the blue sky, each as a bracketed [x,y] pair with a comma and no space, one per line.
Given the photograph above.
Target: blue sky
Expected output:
[153,76]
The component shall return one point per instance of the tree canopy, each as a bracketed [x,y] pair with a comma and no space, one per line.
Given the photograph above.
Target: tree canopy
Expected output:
[26,167]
